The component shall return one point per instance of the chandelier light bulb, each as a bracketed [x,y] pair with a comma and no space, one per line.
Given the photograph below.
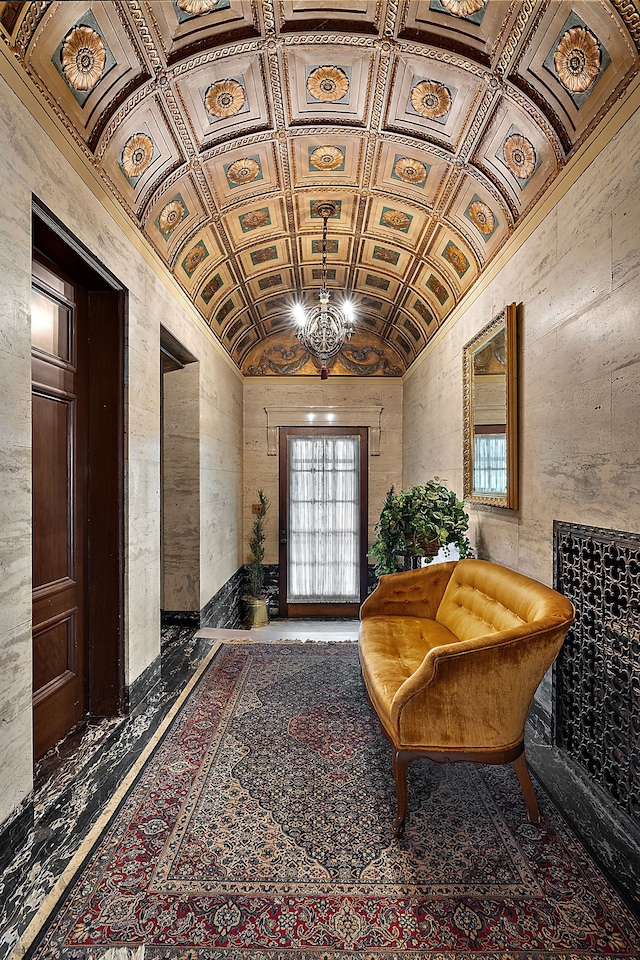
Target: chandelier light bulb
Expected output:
[349,310]
[299,315]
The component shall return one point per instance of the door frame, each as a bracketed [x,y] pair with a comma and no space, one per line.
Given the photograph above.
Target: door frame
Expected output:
[105,543]
[321,609]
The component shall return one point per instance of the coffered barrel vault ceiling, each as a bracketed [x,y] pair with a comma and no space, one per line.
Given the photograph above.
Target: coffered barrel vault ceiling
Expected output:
[435,125]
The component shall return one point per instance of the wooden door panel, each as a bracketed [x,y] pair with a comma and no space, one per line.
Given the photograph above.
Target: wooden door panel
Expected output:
[78,325]
[54,655]
[53,494]
[59,511]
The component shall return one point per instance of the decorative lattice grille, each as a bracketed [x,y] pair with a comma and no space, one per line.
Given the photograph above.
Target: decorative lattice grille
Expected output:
[597,678]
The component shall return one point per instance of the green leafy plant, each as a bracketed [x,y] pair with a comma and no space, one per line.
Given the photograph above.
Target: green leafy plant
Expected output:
[417,522]
[255,567]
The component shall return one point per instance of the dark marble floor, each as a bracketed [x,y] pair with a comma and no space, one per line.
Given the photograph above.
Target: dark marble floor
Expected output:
[69,795]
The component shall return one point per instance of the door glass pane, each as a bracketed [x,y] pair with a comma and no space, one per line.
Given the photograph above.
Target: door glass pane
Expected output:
[49,325]
[324,520]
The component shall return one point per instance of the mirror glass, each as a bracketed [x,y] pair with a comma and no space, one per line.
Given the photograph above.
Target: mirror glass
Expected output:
[490,413]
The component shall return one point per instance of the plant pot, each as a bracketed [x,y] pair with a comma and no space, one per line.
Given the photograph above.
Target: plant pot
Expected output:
[411,560]
[425,548]
[255,612]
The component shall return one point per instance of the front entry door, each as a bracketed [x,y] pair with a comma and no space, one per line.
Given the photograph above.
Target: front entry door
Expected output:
[323,521]
[59,504]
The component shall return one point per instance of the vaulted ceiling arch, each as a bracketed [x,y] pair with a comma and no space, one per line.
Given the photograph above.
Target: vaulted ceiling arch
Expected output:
[435,126]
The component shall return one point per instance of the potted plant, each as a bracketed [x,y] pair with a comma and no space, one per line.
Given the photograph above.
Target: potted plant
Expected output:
[416,522]
[255,602]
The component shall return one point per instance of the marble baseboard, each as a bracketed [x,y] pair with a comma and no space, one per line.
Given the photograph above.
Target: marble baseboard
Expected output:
[612,838]
[272,588]
[138,692]
[540,721]
[225,607]
[180,618]
[15,832]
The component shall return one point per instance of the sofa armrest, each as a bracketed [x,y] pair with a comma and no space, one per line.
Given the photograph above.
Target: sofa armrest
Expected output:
[476,692]
[416,593]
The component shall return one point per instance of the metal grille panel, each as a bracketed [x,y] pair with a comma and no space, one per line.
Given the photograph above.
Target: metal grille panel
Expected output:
[597,677]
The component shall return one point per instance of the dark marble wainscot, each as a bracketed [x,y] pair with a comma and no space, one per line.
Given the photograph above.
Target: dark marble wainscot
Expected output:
[224,610]
[74,781]
[180,618]
[611,837]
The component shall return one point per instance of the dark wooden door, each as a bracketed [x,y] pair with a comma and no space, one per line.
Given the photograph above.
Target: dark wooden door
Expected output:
[59,423]
[290,605]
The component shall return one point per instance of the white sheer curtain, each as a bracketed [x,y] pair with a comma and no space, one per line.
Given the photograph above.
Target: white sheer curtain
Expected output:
[324,519]
[490,463]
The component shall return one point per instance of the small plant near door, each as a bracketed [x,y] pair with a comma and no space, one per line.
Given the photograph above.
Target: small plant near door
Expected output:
[255,600]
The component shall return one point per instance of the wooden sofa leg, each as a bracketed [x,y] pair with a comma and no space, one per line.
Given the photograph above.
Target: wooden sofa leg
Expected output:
[533,810]
[401,760]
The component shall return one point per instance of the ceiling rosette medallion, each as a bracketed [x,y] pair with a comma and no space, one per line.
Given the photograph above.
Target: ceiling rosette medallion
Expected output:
[328,84]
[212,288]
[577,59]
[456,258]
[194,258]
[83,57]
[254,219]
[136,155]
[197,7]
[482,217]
[225,98]
[243,171]
[463,8]
[387,256]
[430,99]
[170,216]
[438,289]
[327,158]
[396,219]
[519,155]
[411,171]
[319,208]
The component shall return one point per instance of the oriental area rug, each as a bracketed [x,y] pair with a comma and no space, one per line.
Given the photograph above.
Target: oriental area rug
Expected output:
[260,829]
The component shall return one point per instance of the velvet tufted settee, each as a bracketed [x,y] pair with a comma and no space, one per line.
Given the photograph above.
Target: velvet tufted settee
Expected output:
[451,657]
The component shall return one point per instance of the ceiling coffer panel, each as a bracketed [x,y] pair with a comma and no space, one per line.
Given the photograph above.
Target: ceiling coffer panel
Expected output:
[220,125]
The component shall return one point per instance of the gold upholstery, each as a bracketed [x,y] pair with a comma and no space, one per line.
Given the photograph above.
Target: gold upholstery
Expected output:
[451,658]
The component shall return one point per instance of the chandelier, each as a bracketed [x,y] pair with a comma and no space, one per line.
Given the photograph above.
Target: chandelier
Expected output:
[325,327]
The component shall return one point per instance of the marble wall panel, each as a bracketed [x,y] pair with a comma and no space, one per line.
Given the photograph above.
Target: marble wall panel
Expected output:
[181,489]
[538,364]
[33,164]
[142,569]
[625,244]
[582,275]
[16,764]
[579,397]
[15,491]
[220,450]
[220,478]
[261,470]
[625,405]
[568,422]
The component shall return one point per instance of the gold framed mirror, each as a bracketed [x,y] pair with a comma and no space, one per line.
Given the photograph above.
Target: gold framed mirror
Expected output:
[490,412]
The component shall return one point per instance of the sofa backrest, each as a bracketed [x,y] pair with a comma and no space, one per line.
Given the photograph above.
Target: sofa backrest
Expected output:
[484,598]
